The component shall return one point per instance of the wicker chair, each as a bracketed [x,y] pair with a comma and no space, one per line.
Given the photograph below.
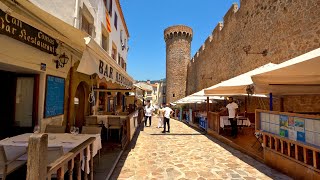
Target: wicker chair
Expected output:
[55,129]
[115,123]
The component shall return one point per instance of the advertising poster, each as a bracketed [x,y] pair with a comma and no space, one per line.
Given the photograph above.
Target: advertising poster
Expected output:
[284,132]
[301,136]
[299,124]
[284,121]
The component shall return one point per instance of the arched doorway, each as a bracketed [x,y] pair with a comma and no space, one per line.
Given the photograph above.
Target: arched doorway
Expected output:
[79,105]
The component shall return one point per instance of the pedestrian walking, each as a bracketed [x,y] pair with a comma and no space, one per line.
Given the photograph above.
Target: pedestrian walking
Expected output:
[233,114]
[148,111]
[167,114]
[161,113]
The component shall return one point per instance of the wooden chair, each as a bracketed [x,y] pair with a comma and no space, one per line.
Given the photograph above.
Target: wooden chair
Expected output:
[115,123]
[123,113]
[92,130]
[92,121]
[55,129]
[53,154]
[7,166]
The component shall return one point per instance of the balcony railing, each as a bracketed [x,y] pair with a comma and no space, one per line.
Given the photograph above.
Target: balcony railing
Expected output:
[37,167]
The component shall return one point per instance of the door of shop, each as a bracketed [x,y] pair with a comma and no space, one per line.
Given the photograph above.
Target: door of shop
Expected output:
[24,104]
[79,108]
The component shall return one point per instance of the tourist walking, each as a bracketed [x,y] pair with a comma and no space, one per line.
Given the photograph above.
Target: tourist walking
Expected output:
[233,114]
[148,111]
[167,114]
[160,116]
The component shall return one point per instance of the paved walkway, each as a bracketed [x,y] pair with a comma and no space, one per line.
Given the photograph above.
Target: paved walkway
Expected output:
[186,154]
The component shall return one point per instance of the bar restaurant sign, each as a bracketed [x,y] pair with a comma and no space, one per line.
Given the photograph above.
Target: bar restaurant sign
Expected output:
[25,33]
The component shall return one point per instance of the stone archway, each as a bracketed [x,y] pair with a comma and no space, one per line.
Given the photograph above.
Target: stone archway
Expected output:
[79,107]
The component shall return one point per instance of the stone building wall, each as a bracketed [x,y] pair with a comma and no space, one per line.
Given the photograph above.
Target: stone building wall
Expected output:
[178,45]
[285,28]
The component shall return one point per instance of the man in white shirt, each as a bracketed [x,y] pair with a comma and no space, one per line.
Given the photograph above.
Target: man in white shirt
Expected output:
[233,113]
[148,111]
[167,113]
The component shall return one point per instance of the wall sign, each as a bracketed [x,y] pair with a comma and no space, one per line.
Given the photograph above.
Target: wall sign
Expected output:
[27,34]
[54,102]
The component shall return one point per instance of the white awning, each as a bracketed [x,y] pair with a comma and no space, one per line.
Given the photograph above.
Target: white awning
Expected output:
[96,61]
[299,75]
[238,84]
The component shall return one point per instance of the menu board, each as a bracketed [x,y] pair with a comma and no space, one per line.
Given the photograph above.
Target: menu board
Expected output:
[292,127]
[54,102]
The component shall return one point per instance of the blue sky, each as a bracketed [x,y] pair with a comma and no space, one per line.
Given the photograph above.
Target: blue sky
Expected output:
[147,19]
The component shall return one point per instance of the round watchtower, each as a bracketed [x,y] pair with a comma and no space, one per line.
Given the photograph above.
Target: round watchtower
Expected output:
[178,44]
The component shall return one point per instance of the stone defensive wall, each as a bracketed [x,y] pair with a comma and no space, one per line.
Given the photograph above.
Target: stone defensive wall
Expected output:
[285,28]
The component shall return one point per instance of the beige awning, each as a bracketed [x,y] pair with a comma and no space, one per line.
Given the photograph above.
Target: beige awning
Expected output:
[96,61]
[299,75]
[238,84]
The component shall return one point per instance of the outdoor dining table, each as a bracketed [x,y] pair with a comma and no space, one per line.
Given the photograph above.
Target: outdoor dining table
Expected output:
[18,144]
[242,121]
[103,119]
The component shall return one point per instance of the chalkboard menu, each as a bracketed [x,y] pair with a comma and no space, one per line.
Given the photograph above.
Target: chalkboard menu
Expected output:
[54,103]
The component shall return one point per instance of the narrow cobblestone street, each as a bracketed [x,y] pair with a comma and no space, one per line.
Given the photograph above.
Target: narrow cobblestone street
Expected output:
[186,154]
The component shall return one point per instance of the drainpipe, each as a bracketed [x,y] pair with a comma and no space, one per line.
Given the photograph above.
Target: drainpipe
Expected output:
[76,15]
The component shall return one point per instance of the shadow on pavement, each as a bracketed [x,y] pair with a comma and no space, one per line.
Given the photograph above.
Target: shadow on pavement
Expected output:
[242,156]
[126,152]
[174,134]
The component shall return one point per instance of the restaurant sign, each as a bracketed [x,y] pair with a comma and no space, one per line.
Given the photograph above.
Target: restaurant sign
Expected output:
[109,72]
[25,33]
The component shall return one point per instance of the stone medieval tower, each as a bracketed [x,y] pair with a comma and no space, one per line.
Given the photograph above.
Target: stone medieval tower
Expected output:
[178,44]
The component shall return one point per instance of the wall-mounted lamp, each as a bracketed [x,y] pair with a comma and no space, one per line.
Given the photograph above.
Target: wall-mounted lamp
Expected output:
[248,48]
[63,59]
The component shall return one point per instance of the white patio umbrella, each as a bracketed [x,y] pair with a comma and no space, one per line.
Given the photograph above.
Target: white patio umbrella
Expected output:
[239,84]
[299,75]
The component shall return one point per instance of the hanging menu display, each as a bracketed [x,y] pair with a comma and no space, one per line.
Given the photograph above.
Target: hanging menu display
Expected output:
[292,127]
[54,103]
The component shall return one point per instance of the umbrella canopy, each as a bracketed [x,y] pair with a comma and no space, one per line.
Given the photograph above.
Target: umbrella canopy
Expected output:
[239,84]
[299,75]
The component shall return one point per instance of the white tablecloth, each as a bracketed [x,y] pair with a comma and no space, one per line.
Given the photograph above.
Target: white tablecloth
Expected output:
[104,119]
[18,144]
[224,121]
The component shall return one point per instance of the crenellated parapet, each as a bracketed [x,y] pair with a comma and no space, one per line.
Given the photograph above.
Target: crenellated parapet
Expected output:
[178,31]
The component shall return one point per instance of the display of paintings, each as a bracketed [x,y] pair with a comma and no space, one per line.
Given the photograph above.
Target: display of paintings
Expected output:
[309,124]
[299,124]
[284,132]
[292,134]
[317,125]
[317,139]
[274,118]
[301,136]
[267,127]
[284,121]
[264,117]
[291,122]
[310,136]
